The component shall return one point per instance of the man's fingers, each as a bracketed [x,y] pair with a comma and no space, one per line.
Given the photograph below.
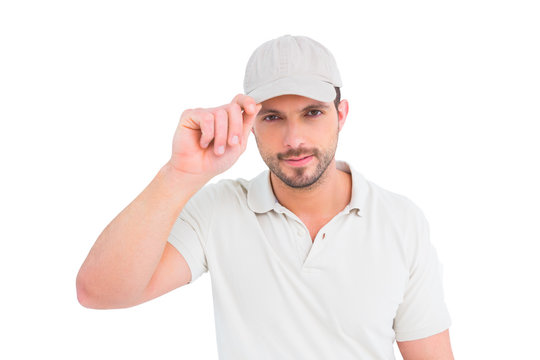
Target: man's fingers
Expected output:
[235,124]
[225,125]
[249,120]
[221,130]
[206,124]
[247,103]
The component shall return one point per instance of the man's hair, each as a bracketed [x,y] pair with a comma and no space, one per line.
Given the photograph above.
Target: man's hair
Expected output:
[338,98]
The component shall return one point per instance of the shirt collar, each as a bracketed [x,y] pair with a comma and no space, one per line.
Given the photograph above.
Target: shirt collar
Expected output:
[261,198]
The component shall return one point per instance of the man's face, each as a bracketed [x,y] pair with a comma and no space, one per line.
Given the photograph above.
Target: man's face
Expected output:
[297,137]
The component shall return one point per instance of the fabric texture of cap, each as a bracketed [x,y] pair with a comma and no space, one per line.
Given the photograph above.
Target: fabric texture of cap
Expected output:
[295,65]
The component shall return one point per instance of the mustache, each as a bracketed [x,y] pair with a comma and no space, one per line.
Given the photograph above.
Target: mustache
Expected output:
[297,153]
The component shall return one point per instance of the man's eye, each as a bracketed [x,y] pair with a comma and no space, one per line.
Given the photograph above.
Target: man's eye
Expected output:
[267,118]
[312,111]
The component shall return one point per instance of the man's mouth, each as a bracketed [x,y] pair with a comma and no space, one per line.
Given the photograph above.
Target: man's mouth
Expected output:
[299,160]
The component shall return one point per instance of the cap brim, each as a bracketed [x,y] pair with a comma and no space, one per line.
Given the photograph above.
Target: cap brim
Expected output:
[308,87]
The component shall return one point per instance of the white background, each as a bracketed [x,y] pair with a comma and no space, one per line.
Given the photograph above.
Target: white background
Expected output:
[444,108]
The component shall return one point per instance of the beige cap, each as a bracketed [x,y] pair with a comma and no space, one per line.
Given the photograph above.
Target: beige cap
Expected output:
[292,65]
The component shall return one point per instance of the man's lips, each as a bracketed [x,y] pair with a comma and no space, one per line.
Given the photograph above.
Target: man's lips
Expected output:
[297,158]
[298,161]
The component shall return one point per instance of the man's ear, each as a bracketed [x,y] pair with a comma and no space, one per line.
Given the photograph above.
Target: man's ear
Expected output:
[343,111]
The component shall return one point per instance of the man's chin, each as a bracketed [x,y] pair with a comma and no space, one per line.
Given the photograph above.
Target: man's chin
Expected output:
[297,178]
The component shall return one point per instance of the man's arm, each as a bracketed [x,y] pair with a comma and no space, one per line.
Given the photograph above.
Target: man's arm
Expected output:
[131,261]
[435,347]
[123,259]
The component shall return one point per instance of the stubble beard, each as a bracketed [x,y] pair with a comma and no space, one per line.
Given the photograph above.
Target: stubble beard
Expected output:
[301,178]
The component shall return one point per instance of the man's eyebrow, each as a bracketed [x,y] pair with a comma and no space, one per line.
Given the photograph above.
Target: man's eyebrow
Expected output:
[265,111]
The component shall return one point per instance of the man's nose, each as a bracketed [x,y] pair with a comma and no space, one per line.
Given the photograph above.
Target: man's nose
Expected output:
[294,135]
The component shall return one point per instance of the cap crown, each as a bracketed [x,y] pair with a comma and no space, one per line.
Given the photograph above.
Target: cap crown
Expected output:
[290,57]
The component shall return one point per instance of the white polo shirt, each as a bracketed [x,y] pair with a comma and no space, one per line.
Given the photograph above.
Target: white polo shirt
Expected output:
[371,275]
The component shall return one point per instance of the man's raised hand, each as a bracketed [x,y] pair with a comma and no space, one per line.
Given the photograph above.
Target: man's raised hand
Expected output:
[209,141]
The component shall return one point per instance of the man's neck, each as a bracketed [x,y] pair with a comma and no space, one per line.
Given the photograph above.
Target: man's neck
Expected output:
[324,199]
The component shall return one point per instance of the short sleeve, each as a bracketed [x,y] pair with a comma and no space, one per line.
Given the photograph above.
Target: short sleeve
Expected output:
[423,311]
[186,240]
[189,234]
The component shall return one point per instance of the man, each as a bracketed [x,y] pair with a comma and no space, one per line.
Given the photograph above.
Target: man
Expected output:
[309,260]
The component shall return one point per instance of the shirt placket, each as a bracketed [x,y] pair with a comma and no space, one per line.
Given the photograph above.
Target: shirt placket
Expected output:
[308,250]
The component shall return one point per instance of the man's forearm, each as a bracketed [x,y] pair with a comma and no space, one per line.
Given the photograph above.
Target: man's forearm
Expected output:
[127,252]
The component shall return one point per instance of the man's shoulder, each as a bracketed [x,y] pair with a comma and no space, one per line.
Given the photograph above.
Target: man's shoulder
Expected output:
[223,192]
[225,188]
[389,197]
[370,197]
[391,203]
